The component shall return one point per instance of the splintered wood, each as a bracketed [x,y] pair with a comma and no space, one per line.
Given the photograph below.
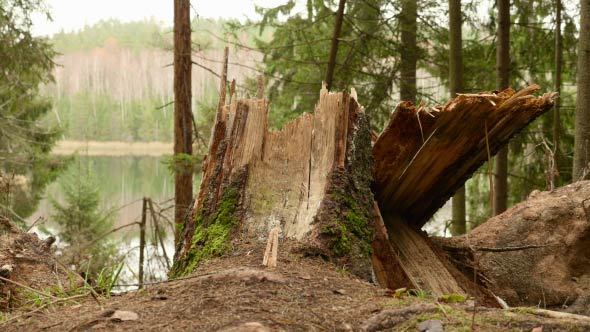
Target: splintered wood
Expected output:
[281,177]
[425,154]
[272,248]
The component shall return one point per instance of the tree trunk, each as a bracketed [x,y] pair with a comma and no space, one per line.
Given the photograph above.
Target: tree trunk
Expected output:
[408,26]
[458,226]
[425,154]
[183,177]
[503,82]
[557,80]
[582,135]
[535,253]
[310,179]
[335,40]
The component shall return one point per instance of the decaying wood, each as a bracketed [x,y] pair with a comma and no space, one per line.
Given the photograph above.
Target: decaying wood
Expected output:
[272,248]
[425,154]
[420,263]
[554,314]
[311,183]
[311,179]
[386,263]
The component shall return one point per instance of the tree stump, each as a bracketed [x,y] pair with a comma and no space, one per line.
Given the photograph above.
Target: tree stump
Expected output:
[311,180]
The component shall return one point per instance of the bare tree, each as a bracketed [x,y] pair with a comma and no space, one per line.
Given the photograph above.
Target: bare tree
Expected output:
[557,81]
[334,47]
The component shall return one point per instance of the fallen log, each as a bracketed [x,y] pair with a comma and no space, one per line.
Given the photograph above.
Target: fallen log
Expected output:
[535,253]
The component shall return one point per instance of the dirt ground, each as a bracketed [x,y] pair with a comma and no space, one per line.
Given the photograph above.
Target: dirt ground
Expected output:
[237,294]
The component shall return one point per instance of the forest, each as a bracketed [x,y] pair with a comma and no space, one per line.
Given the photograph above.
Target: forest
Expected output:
[344,165]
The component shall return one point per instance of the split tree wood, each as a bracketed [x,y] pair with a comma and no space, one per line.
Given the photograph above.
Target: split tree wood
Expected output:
[425,154]
[313,180]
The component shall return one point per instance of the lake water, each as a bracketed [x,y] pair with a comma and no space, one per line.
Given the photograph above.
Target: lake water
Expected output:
[122,180]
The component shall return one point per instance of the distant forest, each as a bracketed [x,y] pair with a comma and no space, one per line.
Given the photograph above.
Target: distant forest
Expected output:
[113,80]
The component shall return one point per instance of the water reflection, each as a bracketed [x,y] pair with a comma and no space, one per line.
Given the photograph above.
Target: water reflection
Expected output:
[123,181]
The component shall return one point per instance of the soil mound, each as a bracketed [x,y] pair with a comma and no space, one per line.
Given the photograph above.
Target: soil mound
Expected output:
[26,265]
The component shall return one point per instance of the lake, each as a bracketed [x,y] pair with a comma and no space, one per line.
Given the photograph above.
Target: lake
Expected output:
[124,173]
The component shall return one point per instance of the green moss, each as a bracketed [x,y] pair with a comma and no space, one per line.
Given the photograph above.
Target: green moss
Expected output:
[211,237]
[349,227]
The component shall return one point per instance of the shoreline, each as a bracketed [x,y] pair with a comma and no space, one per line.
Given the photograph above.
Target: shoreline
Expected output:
[112,148]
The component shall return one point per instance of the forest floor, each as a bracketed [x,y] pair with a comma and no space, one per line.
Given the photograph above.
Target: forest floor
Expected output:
[237,294]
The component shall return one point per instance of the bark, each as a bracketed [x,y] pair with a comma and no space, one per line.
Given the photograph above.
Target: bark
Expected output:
[582,131]
[335,40]
[183,177]
[408,26]
[503,81]
[311,180]
[458,226]
[536,252]
[558,81]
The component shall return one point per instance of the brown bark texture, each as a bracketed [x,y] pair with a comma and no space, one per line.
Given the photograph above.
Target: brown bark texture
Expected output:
[409,57]
[500,201]
[183,177]
[334,47]
[582,131]
[327,190]
[311,179]
[458,225]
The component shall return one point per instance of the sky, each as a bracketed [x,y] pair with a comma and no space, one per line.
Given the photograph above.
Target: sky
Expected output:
[71,15]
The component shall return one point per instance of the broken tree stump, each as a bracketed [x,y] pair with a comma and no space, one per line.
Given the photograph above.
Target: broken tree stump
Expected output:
[316,183]
[311,179]
[425,154]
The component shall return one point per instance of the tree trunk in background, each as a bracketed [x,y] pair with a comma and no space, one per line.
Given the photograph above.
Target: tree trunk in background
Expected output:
[334,48]
[408,17]
[582,136]
[455,86]
[183,177]
[557,79]
[503,82]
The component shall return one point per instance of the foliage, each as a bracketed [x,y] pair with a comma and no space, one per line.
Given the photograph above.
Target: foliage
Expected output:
[26,63]
[81,227]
